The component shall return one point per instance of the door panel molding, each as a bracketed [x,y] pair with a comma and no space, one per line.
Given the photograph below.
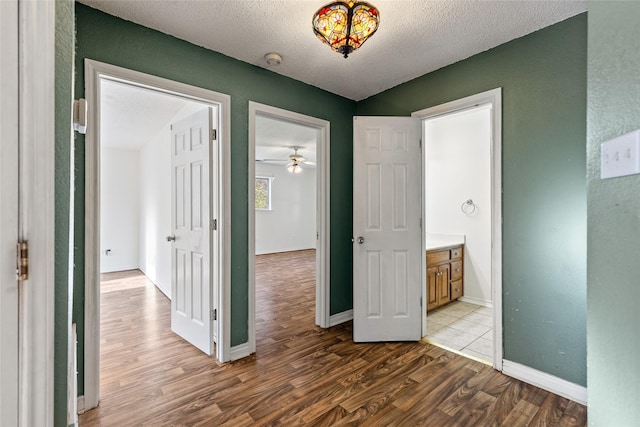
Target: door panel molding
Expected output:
[387,229]
[94,71]
[192,236]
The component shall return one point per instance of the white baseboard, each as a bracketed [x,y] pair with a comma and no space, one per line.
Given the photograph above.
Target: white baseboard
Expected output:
[548,382]
[80,404]
[476,301]
[239,351]
[336,319]
[282,250]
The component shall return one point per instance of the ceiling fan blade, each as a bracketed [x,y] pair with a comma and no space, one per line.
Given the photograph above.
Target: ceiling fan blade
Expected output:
[273,160]
[308,162]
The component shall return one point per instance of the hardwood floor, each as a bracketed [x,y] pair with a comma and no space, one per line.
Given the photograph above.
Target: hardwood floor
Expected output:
[301,375]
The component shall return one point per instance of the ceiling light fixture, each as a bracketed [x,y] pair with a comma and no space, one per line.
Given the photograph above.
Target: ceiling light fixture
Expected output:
[294,167]
[345,25]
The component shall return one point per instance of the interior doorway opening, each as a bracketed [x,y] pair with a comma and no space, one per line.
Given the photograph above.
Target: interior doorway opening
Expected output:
[288,206]
[462,234]
[180,103]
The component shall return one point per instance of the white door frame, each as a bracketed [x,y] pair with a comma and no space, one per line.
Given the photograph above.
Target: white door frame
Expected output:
[493,97]
[221,262]
[322,207]
[9,157]
[29,37]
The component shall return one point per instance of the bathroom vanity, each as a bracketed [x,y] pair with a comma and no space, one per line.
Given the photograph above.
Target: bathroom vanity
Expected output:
[445,272]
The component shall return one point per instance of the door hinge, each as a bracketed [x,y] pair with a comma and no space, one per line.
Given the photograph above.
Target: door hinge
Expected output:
[420,142]
[214,224]
[22,270]
[214,134]
[214,314]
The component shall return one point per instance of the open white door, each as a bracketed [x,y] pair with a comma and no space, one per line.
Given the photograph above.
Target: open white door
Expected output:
[387,229]
[191,286]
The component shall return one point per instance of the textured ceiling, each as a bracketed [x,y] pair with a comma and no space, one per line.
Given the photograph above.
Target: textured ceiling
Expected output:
[415,36]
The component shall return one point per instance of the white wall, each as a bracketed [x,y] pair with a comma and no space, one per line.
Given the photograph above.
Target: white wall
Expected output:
[458,167]
[291,225]
[155,204]
[119,209]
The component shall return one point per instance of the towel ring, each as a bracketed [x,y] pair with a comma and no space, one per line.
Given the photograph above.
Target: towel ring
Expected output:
[468,207]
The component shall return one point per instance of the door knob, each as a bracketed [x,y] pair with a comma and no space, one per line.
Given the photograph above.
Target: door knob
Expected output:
[171,238]
[360,240]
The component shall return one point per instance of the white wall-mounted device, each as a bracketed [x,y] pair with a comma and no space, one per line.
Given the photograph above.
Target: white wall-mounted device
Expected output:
[80,115]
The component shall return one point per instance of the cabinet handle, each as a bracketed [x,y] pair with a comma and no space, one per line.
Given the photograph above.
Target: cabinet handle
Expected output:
[457,270]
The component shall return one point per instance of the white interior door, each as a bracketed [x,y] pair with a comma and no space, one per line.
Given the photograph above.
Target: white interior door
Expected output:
[387,229]
[8,213]
[192,226]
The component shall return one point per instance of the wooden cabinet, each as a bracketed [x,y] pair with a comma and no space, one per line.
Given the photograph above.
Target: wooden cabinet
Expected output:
[445,276]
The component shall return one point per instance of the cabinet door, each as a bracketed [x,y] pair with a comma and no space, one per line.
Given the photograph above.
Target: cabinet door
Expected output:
[432,288]
[444,295]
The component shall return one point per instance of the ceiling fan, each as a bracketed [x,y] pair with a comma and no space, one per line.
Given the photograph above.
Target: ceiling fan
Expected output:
[295,160]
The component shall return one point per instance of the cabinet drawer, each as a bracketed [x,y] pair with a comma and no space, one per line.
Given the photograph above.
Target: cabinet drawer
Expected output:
[456,289]
[456,253]
[436,257]
[456,270]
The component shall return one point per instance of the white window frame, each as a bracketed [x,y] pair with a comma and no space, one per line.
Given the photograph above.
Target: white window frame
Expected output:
[269,180]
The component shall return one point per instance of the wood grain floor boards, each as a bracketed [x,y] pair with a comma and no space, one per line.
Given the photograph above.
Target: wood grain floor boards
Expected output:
[301,375]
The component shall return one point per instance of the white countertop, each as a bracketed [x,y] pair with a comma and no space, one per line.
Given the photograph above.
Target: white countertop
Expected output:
[436,241]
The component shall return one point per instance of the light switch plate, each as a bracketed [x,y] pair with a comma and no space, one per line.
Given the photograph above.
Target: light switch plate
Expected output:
[620,156]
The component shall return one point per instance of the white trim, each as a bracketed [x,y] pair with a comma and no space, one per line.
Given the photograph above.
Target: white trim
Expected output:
[493,97]
[545,381]
[80,404]
[94,71]
[72,378]
[240,351]
[338,318]
[37,211]
[476,301]
[322,249]
[9,149]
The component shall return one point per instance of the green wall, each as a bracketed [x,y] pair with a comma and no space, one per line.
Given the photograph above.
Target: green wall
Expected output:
[543,80]
[108,39]
[64,45]
[613,218]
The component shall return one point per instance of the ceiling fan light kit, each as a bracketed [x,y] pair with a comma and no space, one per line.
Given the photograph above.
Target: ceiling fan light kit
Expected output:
[345,25]
[295,161]
[294,167]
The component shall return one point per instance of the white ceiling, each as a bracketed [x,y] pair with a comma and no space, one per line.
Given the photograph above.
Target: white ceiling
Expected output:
[130,116]
[275,139]
[415,36]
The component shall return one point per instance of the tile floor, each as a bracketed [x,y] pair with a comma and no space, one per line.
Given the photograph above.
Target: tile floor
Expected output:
[467,328]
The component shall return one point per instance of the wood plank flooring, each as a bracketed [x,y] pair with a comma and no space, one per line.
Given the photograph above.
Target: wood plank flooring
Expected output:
[301,374]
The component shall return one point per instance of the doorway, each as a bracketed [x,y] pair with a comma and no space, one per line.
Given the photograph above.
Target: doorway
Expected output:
[185,98]
[288,152]
[462,234]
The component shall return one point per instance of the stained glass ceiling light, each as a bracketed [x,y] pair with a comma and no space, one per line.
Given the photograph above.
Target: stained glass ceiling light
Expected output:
[345,25]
